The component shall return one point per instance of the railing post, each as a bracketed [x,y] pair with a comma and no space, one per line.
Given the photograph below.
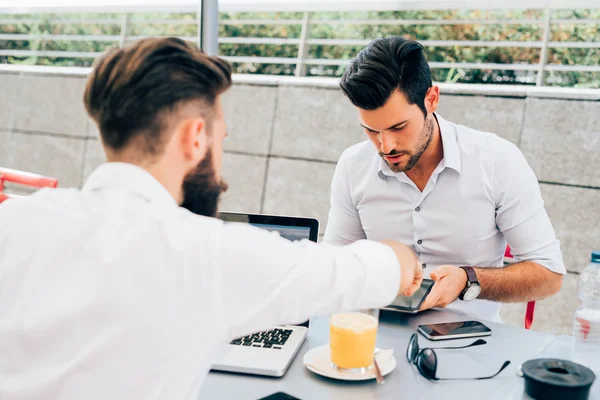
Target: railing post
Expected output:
[303,47]
[544,49]
[124,28]
[208,26]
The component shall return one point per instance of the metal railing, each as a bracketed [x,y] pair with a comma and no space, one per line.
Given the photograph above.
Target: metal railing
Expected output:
[304,42]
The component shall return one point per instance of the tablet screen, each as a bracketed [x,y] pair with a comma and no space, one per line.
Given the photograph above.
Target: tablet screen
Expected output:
[414,302]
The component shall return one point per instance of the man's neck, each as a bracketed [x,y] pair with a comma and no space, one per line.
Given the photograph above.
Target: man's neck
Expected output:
[170,180]
[430,159]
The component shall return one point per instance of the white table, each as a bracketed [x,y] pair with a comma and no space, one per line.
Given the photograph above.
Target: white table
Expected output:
[506,343]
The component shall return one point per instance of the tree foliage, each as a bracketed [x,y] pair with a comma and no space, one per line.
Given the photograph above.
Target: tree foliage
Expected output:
[331,25]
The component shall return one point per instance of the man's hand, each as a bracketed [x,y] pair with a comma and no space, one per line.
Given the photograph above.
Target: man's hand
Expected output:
[449,283]
[411,271]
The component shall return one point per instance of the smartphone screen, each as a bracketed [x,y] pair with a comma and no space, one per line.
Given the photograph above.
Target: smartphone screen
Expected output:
[455,330]
[415,301]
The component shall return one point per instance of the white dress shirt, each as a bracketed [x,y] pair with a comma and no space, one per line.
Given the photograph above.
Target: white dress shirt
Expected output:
[482,195]
[115,292]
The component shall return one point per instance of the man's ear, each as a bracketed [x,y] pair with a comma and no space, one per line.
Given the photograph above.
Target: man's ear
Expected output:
[432,99]
[194,139]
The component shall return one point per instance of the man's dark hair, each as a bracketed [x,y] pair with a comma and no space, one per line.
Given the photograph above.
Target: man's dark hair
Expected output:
[131,91]
[384,66]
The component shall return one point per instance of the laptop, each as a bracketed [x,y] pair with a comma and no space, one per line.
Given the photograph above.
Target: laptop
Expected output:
[271,352]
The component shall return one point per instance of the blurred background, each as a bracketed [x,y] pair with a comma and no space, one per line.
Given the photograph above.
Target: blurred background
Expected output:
[526,70]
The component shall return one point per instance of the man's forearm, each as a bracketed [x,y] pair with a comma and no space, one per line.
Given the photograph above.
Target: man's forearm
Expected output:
[521,282]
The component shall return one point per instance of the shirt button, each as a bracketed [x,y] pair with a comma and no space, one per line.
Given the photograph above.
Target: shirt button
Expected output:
[424,265]
[419,241]
[418,209]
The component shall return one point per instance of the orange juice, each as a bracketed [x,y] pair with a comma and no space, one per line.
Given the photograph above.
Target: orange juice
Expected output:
[352,339]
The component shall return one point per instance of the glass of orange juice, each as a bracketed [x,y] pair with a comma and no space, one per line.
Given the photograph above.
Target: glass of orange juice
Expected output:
[352,339]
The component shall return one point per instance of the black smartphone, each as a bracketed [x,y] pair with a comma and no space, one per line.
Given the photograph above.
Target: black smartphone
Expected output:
[411,304]
[279,396]
[454,330]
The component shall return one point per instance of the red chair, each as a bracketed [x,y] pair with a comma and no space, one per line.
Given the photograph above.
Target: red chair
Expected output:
[23,178]
[530,305]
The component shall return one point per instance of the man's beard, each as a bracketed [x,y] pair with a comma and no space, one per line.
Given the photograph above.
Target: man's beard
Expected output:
[414,157]
[201,189]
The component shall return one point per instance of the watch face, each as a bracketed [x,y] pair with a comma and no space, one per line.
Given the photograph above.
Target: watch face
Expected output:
[472,292]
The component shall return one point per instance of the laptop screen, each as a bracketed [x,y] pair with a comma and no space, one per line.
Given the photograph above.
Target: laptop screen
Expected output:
[292,233]
[291,228]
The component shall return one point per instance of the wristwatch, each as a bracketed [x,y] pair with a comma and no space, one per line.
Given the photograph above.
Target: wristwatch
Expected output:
[472,290]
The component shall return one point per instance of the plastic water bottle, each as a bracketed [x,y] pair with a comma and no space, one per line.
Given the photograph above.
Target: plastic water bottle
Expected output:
[586,329]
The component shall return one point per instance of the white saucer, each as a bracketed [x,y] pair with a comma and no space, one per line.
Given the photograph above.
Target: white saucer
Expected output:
[318,360]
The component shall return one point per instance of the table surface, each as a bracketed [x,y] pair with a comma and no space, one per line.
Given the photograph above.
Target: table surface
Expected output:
[395,329]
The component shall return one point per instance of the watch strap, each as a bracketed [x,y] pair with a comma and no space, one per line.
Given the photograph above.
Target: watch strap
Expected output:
[471,275]
[471,279]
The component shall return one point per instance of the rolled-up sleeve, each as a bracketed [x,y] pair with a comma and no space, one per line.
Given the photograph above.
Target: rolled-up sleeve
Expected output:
[268,280]
[520,213]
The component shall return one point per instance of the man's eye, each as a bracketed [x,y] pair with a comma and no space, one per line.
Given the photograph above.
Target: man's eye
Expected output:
[398,129]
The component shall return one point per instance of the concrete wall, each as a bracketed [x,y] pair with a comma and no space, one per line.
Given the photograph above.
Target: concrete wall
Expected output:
[286,134]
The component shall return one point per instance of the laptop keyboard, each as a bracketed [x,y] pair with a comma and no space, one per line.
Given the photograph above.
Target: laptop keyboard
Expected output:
[273,339]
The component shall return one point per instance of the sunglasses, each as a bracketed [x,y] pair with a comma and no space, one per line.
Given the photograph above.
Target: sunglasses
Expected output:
[426,359]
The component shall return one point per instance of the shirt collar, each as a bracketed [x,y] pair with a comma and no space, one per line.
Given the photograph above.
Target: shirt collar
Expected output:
[131,178]
[449,144]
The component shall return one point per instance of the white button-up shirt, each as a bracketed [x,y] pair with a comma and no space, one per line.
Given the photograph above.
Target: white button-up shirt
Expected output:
[482,195]
[115,292]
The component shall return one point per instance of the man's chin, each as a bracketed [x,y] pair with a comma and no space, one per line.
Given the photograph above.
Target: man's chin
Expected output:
[396,167]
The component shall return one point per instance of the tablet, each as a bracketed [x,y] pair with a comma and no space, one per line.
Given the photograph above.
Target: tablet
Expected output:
[411,304]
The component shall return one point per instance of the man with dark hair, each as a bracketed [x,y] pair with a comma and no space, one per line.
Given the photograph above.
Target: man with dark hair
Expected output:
[455,195]
[116,292]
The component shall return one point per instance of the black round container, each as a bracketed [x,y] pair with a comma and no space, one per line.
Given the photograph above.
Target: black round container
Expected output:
[554,379]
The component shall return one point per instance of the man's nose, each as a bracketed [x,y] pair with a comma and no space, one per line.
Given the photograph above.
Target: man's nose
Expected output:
[388,142]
